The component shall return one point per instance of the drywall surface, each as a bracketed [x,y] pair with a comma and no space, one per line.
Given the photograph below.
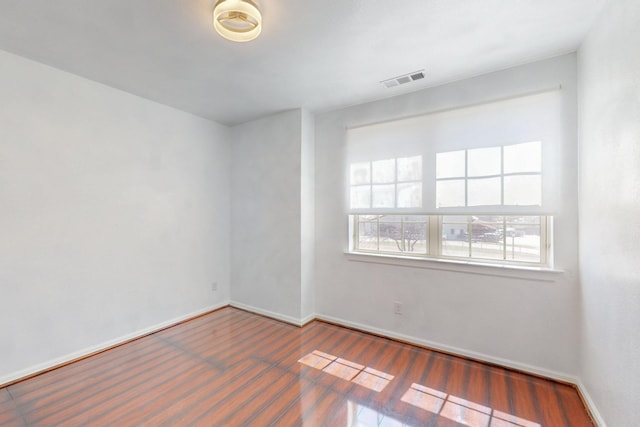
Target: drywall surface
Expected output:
[307,217]
[528,321]
[114,214]
[266,216]
[609,102]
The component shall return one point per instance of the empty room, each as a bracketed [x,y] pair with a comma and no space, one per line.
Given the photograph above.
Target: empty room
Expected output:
[320,213]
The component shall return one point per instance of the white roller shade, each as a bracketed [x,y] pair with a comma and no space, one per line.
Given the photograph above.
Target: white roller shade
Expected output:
[499,157]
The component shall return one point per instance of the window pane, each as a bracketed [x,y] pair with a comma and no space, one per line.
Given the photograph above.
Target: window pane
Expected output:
[523,220]
[384,171]
[484,192]
[410,169]
[523,243]
[450,193]
[484,161]
[390,218]
[525,157]
[455,239]
[415,237]
[488,247]
[488,219]
[450,165]
[455,219]
[384,196]
[360,197]
[523,190]
[367,234]
[410,195]
[487,237]
[360,173]
[415,218]
[390,236]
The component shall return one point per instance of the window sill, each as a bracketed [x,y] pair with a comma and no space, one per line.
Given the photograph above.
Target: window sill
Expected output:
[539,274]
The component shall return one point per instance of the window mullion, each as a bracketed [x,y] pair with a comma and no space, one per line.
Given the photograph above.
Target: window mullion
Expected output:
[395,182]
[545,247]
[378,232]
[504,237]
[502,177]
[470,234]
[466,178]
[435,234]
[402,248]
[356,232]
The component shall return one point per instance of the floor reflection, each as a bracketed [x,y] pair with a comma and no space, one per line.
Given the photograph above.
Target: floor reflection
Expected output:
[461,410]
[363,416]
[347,370]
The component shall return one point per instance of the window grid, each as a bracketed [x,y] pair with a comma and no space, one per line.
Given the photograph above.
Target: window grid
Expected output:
[502,175]
[404,237]
[506,232]
[396,183]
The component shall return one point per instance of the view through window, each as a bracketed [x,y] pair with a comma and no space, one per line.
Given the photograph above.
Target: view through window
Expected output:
[514,239]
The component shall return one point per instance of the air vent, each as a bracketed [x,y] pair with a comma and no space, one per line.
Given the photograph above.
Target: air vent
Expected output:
[405,78]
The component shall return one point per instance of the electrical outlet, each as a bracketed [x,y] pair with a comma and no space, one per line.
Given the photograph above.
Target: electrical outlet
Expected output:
[397,307]
[214,286]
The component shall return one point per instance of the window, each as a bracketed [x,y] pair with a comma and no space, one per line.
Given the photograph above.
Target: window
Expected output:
[495,176]
[392,234]
[518,240]
[476,183]
[388,183]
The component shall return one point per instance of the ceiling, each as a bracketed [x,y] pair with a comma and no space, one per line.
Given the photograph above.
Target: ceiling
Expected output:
[316,54]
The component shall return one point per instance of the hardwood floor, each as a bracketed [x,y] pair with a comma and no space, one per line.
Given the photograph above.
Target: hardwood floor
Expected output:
[233,368]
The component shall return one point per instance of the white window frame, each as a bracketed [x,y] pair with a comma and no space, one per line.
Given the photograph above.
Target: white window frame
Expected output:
[434,241]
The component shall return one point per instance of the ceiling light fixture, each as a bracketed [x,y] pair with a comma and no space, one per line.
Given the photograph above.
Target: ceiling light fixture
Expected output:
[237,20]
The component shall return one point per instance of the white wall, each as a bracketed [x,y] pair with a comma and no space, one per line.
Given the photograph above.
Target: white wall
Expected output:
[609,76]
[266,218]
[522,322]
[272,239]
[307,217]
[114,215]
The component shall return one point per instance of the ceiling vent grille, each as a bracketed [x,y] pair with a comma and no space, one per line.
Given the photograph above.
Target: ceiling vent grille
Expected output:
[404,79]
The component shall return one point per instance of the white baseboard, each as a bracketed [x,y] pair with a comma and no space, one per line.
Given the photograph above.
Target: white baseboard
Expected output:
[308,319]
[51,364]
[272,314]
[413,340]
[597,417]
[454,350]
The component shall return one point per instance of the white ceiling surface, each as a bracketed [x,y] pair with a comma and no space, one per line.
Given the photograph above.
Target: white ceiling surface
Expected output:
[316,54]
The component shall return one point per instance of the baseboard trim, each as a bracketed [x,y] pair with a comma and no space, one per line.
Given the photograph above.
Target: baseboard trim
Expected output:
[59,362]
[308,319]
[454,351]
[596,417]
[271,314]
[430,345]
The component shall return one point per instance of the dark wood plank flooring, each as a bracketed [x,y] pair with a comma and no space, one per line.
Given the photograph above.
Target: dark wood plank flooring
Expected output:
[233,368]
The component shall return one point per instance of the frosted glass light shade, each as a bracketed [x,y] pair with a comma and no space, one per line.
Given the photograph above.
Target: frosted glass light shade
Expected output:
[237,20]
